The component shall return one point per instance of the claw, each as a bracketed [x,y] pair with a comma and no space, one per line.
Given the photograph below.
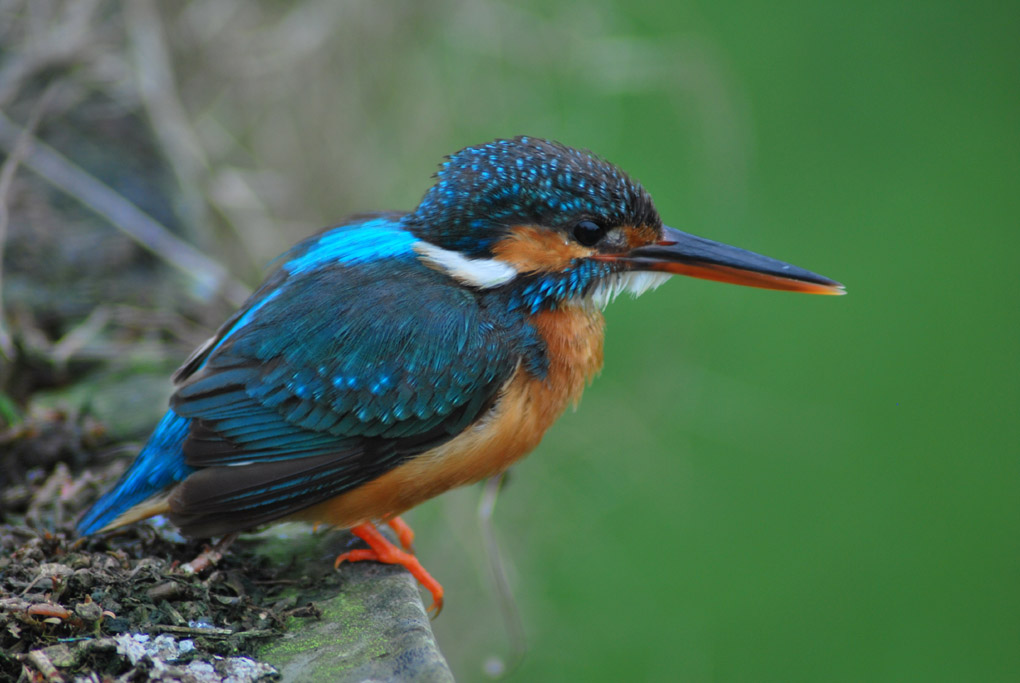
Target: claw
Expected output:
[356,555]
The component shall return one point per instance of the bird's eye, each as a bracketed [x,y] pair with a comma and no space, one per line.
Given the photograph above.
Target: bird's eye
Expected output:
[588,233]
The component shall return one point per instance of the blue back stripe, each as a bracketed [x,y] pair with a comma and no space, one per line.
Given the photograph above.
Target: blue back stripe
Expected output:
[377,239]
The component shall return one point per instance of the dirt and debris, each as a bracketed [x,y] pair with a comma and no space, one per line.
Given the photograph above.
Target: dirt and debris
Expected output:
[117,607]
[89,317]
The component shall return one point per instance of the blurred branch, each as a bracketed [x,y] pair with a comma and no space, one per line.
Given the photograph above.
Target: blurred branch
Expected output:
[61,172]
[80,335]
[15,156]
[60,45]
[159,95]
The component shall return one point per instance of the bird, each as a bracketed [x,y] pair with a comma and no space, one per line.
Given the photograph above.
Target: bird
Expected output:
[388,359]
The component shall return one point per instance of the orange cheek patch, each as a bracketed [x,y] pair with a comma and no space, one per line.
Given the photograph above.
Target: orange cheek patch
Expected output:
[640,235]
[530,249]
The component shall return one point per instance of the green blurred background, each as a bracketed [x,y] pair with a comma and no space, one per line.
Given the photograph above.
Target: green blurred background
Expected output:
[760,486]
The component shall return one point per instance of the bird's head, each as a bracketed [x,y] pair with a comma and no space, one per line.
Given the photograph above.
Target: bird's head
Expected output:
[556,223]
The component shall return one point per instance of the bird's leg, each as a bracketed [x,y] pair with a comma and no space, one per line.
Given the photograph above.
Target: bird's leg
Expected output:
[381,550]
[404,532]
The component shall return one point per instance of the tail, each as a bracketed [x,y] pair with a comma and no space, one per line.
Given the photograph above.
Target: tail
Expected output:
[144,489]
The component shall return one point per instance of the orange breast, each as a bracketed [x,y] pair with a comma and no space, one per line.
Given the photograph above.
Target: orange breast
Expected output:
[525,409]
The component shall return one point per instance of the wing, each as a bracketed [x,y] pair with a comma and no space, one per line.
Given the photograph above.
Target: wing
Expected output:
[341,367]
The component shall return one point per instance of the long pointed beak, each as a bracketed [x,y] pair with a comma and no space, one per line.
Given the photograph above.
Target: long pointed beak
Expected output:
[684,254]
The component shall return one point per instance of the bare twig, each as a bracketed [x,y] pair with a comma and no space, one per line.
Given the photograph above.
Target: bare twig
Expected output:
[208,557]
[43,664]
[64,174]
[508,606]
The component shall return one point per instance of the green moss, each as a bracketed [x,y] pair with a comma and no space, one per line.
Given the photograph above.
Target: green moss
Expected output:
[341,631]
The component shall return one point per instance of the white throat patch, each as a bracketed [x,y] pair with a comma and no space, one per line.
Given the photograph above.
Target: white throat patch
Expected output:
[483,273]
[634,282]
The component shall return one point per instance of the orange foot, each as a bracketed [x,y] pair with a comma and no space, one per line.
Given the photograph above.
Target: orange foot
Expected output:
[381,550]
[404,533]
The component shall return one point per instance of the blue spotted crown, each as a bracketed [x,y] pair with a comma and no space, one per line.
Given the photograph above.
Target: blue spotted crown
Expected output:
[482,191]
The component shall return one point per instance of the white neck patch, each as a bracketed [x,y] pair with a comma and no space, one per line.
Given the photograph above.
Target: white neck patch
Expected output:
[483,273]
[634,282]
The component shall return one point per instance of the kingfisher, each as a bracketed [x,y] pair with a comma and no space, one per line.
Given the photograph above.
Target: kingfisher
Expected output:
[402,354]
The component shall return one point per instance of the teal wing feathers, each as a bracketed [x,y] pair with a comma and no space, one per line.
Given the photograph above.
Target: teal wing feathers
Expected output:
[350,359]
[343,374]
